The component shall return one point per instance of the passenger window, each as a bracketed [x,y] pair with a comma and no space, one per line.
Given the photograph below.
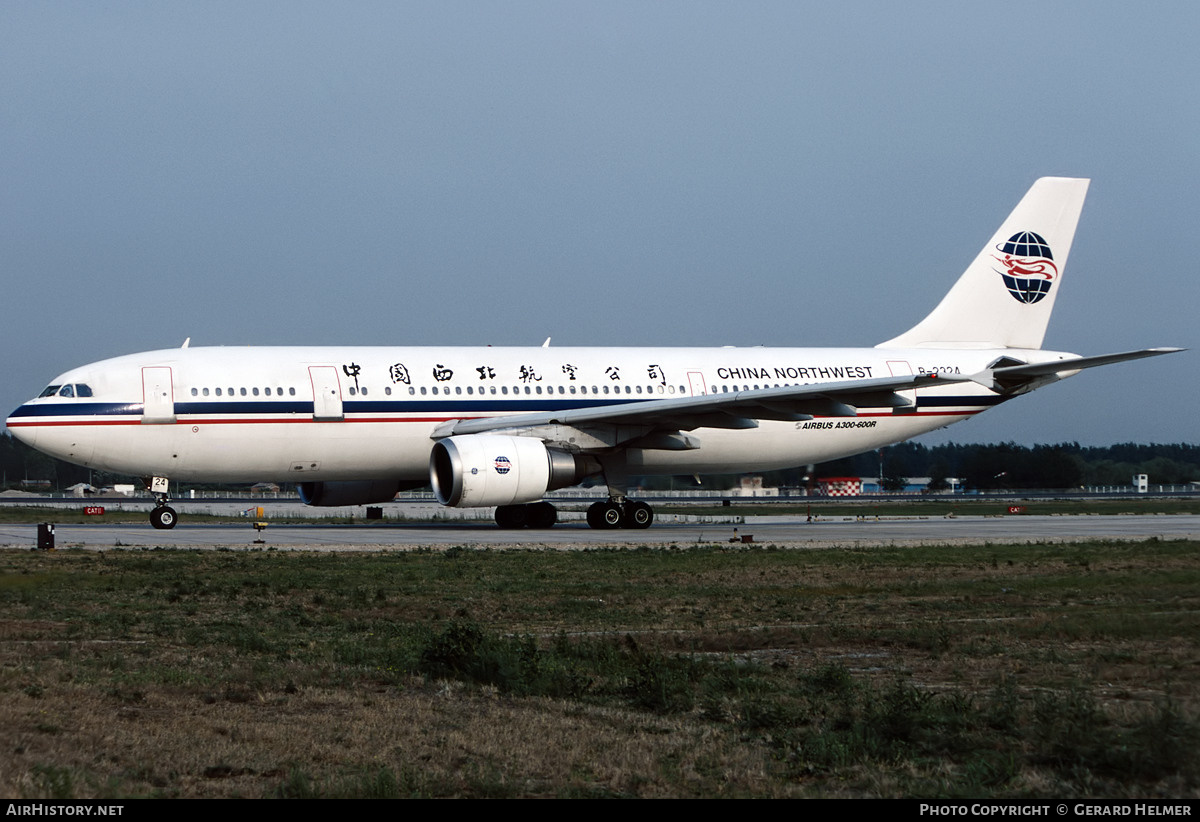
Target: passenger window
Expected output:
[243,391]
[195,392]
[204,392]
[255,390]
[292,391]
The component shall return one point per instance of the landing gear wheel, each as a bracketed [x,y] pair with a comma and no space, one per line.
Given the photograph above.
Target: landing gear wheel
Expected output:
[604,515]
[163,517]
[637,515]
[512,516]
[541,515]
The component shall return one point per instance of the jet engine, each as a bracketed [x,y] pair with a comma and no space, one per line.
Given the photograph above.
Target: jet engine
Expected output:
[352,492]
[490,469]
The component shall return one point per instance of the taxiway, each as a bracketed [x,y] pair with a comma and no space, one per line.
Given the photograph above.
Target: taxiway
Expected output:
[789,531]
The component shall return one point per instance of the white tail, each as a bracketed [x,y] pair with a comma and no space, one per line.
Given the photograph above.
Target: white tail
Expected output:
[1004,298]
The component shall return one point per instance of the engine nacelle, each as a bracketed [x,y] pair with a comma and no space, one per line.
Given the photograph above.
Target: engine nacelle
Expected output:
[351,492]
[489,469]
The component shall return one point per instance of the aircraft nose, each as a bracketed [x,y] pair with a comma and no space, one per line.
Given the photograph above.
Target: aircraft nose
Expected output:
[25,433]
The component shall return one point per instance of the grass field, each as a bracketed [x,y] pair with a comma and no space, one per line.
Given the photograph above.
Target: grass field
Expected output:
[1017,671]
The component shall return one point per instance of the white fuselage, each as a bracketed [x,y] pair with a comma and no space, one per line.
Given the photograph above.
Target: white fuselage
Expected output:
[297,414]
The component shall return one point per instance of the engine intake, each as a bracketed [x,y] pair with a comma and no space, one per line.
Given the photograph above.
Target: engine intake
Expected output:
[490,469]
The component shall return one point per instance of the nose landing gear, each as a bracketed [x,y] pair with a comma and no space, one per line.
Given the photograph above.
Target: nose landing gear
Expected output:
[163,517]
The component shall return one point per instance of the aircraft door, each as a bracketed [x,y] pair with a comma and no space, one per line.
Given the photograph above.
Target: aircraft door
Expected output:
[327,393]
[158,396]
[696,383]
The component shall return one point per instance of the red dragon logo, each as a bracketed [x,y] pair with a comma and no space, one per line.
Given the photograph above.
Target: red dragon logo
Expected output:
[1028,266]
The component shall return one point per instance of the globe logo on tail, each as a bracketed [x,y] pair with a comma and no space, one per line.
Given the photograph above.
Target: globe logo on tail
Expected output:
[1028,266]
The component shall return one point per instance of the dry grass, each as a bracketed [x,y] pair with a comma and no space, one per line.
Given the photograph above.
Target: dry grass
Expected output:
[445,739]
[1005,670]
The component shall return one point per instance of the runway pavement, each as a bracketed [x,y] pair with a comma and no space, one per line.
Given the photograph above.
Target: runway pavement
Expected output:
[789,531]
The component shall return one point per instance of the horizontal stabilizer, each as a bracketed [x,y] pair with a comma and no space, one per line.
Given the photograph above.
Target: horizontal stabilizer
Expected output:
[1012,379]
[1042,369]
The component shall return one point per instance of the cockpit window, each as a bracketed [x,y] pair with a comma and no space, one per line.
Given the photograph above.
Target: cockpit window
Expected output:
[78,389]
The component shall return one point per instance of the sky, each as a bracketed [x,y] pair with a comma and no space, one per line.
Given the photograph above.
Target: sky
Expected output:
[603,173]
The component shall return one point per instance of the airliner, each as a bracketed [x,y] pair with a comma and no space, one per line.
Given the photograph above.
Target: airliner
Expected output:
[499,427]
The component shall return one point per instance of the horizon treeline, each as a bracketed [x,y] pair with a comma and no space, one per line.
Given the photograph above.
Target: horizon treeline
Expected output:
[998,466]
[983,466]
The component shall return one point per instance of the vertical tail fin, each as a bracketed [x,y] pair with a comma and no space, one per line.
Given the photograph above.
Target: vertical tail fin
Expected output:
[1004,298]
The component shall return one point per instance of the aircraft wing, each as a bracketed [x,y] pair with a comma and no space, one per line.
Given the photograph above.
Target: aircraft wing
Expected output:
[741,409]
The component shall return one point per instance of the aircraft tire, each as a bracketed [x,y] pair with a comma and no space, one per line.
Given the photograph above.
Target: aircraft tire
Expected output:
[163,517]
[512,516]
[541,515]
[604,515]
[637,515]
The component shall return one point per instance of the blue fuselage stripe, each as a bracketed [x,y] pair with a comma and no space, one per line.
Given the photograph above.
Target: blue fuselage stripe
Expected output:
[481,406]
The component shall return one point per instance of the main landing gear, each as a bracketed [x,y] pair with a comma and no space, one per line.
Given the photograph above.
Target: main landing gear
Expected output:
[163,517]
[618,511]
[610,514]
[620,514]
[534,515]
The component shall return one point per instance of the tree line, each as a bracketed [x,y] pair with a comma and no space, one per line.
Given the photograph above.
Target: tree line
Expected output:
[1008,465]
[997,466]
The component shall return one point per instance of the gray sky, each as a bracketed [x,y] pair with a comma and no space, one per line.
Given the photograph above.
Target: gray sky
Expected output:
[664,173]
